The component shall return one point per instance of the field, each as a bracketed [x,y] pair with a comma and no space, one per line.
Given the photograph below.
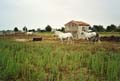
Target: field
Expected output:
[109,33]
[49,60]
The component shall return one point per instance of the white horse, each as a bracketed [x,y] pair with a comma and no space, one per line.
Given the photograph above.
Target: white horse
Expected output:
[91,36]
[29,33]
[62,36]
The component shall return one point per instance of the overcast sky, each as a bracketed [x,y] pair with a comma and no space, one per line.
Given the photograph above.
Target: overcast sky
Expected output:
[40,13]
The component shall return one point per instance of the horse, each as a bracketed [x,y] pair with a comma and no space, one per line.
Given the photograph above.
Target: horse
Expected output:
[64,36]
[29,33]
[91,36]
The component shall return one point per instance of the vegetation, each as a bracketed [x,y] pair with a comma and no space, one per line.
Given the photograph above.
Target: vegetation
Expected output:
[111,28]
[98,28]
[52,61]
[31,30]
[48,28]
[25,29]
[16,29]
[109,34]
[38,30]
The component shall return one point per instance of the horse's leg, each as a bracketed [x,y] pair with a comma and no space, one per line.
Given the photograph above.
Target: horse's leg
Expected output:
[98,39]
[61,40]
[87,38]
[71,40]
[68,40]
[92,40]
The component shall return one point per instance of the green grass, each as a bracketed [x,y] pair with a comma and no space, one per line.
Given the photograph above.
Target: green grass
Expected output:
[109,33]
[46,61]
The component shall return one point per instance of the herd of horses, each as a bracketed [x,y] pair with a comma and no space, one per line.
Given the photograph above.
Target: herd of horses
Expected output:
[90,36]
[68,36]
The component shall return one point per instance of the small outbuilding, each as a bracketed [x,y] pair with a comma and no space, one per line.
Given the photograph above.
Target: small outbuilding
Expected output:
[76,28]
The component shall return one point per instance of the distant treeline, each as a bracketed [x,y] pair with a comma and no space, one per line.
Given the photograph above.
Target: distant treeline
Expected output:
[110,28]
[48,28]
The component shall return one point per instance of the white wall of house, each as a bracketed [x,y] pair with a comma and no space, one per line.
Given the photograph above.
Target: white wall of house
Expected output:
[71,28]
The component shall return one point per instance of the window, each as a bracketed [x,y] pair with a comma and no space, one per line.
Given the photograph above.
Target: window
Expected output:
[83,28]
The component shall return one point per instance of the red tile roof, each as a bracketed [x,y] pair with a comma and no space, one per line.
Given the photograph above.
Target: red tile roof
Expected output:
[78,23]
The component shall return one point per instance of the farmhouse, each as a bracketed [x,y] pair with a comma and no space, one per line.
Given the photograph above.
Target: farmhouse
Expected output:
[76,28]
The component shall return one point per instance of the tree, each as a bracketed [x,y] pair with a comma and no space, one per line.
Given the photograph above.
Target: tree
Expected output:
[32,30]
[25,29]
[62,29]
[42,30]
[48,28]
[16,29]
[111,28]
[98,28]
[38,30]
[118,29]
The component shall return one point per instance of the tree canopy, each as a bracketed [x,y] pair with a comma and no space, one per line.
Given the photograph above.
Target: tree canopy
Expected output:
[98,28]
[25,29]
[111,28]
[38,30]
[48,28]
[16,29]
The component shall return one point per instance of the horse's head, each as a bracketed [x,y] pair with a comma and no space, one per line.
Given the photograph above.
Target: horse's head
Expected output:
[54,32]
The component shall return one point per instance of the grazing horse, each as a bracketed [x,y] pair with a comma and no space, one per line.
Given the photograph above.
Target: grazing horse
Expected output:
[64,36]
[91,36]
